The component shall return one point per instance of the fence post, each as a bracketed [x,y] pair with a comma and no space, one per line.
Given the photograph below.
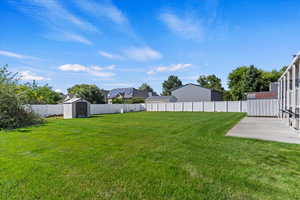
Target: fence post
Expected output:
[240,106]
[192,106]
[182,106]
[226,105]
[214,106]
[202,106]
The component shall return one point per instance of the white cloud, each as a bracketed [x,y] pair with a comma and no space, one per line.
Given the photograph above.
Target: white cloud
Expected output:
[29,76]
[109,55]
[53,13]
[58,19]
[76,38]
[142,54]
[103,9]
[58,90]
[101,74]
[15,55]
[134,53]
[93,70]
[72,67]
[170,68]
[188,27]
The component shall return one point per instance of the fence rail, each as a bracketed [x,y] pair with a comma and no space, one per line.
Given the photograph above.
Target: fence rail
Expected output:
[268,107]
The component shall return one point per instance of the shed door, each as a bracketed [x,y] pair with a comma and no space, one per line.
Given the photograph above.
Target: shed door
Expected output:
[81,109]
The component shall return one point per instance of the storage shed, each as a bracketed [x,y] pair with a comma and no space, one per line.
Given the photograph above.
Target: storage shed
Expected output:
[76,108]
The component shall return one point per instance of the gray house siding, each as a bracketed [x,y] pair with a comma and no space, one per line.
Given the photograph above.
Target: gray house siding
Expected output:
[192,93]
[160,99]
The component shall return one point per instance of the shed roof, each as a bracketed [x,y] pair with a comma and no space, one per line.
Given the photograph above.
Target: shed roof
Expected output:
[73,100]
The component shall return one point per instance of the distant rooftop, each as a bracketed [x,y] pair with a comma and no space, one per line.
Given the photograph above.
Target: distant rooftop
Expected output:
[127,92]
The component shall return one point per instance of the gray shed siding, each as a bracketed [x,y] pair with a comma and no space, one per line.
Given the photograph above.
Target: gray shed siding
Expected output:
[192,93]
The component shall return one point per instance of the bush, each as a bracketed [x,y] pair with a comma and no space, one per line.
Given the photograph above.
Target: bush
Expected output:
[137,100]
[12,111]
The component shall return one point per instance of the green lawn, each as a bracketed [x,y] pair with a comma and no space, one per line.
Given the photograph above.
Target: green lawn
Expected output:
[145,156]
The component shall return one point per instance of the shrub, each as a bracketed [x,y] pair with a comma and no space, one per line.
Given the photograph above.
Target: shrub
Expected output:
[13,113]
[137,100]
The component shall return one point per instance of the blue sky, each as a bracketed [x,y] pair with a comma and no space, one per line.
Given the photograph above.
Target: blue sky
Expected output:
[123,43]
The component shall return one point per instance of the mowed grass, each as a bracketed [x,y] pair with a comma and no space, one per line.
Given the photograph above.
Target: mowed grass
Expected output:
[145,156]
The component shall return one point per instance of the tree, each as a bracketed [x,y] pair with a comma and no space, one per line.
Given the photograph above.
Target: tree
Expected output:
[146,87]
[13,113]
[211,81]
[34,94]
[273,76]
[172,83]
[90,93]
[239,83]
[250,79]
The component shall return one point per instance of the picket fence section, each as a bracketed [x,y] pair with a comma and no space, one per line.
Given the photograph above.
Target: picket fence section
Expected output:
[205,106]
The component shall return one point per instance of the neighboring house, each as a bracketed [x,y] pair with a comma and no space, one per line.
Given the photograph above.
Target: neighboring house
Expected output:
[194,93]
[127,93]
[271,94]
[160,99]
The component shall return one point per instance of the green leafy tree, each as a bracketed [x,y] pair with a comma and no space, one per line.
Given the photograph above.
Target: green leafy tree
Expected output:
[146,87]
[172,83]
[211,81]
[239,84]
[13,113]
[34,94]
[250,79]
[90,93]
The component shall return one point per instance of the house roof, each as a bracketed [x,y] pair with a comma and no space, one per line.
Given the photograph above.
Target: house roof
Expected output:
[127,92]
[262,95]
[193,85]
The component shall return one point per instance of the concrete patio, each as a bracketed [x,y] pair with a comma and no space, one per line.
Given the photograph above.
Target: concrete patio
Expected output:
[270,129]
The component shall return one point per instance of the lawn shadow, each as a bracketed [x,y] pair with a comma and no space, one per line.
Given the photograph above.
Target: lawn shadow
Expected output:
[25,129]
[95,116]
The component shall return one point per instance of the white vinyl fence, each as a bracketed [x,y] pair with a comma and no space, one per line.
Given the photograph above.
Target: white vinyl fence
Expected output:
[48,109]
[263,107]
[267,107]
[115,108]
[57,109]
[204,106]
